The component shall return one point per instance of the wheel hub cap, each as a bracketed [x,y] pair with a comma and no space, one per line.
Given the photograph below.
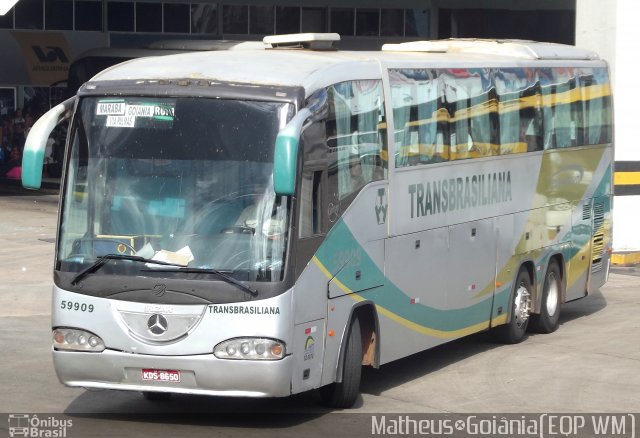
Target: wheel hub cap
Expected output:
[523,299]
[552,296]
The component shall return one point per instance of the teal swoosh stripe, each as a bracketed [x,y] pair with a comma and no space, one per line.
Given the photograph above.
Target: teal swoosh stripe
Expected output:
[341,241]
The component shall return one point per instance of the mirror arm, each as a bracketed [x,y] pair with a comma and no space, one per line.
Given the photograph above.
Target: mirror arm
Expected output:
[36,143]
[286,154]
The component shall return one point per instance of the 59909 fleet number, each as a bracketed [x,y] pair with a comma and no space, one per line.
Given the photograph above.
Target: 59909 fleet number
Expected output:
[76,306]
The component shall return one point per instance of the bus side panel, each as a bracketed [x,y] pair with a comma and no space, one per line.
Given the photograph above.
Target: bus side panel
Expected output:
[350,260]
[434,294]
[471,267]
[308,346]
[417,264]
[309,313]
[310,295]
[588,263]
[352,255]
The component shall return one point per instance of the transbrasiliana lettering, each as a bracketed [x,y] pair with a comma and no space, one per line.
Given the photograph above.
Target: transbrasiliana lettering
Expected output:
[459,193]
[245,310]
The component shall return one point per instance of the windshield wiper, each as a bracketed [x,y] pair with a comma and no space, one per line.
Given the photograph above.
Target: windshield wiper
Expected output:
[229,279]
[102,260]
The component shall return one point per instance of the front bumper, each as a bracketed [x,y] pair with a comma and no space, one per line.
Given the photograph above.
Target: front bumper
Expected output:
[200,374]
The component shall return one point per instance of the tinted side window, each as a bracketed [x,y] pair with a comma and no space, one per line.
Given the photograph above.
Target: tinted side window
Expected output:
[441,115]
[562,107]
[596,94]
[356,136]
[421,117]
[454,114]
[470,97]
[519,109]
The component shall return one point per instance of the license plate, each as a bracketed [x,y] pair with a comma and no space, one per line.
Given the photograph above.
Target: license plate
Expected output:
[161,375]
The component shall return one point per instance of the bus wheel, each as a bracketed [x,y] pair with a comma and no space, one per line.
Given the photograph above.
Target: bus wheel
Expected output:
[156,396]
[344,394]
[514,331]
[548,319]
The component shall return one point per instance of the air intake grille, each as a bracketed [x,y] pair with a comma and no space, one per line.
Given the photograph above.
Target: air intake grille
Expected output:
[586,211]
[598,237]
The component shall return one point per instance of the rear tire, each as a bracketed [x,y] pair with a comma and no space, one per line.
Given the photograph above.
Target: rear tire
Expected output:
[156,396]
[343,395]
[549,318]
[515,330]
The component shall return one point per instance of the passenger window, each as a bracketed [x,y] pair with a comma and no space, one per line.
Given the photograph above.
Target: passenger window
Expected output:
[469,95]
[421,118]
[356,136]
[519,103]
[442,115]
[596,95]
[562,107]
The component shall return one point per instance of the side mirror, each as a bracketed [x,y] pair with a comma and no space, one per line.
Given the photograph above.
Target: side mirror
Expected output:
[286,154]
[34,147]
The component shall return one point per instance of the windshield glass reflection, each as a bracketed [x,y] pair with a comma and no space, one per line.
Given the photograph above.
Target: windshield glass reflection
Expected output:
[186,181]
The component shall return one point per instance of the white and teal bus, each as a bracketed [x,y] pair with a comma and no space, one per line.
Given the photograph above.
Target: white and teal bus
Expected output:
[263,223]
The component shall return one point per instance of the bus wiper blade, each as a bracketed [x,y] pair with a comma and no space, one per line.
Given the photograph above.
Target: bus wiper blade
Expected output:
[225,277]
[102,260]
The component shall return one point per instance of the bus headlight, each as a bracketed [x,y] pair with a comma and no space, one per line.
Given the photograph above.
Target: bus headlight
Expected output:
[76,340]
[250,349]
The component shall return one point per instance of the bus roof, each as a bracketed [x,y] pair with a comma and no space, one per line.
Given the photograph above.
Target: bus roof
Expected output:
[316,69]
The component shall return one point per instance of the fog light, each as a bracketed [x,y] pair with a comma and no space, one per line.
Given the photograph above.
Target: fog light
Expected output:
[250,349]
[70,338]
[231,349]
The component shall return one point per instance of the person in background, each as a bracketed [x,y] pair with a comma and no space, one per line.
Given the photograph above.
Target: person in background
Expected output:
[8,169]
[18,127]
[28,123]
[5,134]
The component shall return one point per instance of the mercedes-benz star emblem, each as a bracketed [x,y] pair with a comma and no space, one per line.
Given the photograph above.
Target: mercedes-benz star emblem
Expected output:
[157,324]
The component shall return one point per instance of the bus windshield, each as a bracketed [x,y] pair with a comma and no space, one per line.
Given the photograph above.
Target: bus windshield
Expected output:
[186,181]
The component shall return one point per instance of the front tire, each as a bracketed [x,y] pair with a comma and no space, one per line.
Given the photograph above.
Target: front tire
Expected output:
[343,395]
[515,330]
[549,318]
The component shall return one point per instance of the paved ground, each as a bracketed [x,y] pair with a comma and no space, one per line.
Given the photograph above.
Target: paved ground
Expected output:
[590,365]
